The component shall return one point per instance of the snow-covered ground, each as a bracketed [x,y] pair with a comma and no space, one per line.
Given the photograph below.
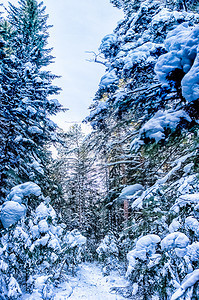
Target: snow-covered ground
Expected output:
[90,284]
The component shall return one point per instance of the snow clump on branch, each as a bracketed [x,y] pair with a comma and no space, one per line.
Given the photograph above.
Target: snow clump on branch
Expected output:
[145,246]
[13,209]
[155,128]
[176,240]
[183,54]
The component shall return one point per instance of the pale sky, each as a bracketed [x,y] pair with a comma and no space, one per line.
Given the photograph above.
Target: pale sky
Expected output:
[78,26]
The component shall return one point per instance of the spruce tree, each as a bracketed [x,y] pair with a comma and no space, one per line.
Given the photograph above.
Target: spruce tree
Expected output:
[159,115]
[25,94]
[77,172]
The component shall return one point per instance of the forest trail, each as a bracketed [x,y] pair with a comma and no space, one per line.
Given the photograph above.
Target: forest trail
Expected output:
[90,284]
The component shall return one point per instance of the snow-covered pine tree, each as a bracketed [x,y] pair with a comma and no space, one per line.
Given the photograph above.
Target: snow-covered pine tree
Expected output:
[151,86]
[77,172]
[25,92]
[34,248]
[128,6]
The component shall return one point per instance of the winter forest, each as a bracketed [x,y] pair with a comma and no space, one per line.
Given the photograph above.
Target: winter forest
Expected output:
[115,213]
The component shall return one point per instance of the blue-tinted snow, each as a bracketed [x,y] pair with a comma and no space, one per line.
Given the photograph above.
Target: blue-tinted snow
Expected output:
[130,190]
[108,79]
[176,240]
[11,212]
[183,53]
[23,190]
[145,247]
[156,126]
[74,238]
[14,290]
[188,282]
[107,246]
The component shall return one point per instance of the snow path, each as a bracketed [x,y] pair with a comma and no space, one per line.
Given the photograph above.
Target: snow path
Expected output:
[90,284]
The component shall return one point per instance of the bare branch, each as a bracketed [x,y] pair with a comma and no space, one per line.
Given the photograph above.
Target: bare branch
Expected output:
[95,58]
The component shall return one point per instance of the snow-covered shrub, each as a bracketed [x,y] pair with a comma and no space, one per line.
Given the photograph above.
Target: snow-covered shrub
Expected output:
[74,239]
[108,252]
[74,248]
[33,251]
[151,268]
[145,250]
[177,256]
[144,266]
[107,247]
[32,247]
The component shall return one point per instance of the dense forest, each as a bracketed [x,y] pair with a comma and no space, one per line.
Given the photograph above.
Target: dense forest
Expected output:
[125,196]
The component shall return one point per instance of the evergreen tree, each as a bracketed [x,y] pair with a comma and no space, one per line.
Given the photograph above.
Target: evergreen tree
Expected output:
[147,94]
[25,92]
[37,248]
[77,172]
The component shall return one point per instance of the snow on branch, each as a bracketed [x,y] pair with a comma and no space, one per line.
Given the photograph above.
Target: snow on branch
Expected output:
[155,128]
[188,282]
[183,54]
